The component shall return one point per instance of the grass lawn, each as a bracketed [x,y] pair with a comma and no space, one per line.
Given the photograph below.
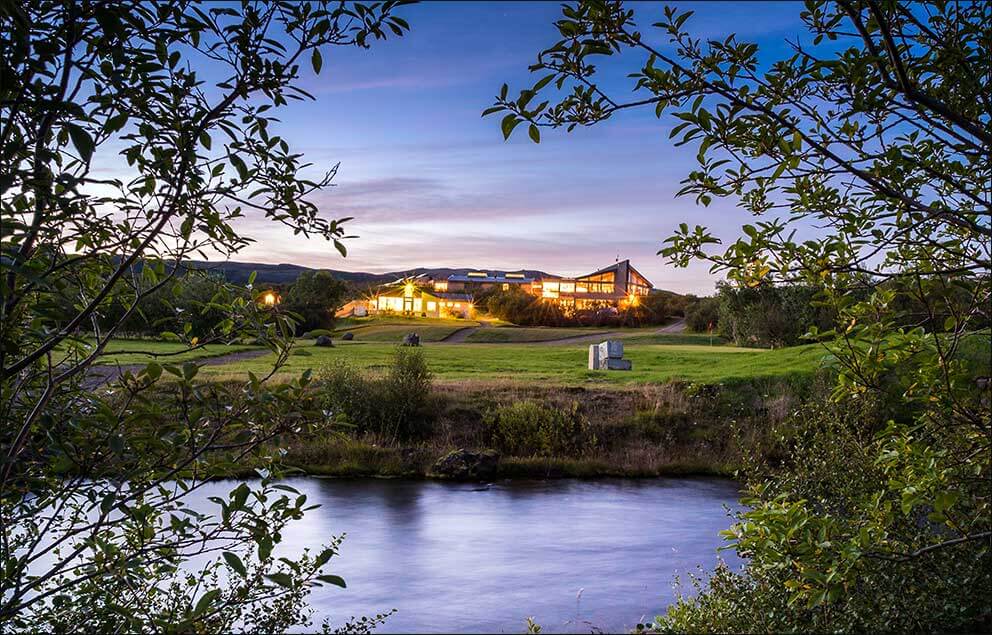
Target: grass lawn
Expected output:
[144,351]
[394,333]
[527,334]
[558,365]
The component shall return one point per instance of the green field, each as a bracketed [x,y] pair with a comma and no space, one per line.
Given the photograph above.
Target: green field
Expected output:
[528,334]
[559,365]
[127,351]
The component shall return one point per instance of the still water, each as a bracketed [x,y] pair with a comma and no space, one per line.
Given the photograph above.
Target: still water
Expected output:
[574,555]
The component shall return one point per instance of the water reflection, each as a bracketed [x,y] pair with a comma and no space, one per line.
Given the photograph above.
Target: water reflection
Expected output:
[453,557]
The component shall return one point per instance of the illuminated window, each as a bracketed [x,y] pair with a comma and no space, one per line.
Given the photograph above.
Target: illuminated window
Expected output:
[567,287]
[458,305]
[549,294]
[514,275]
[551,286]
[441,285]
[431,306]
[581,288]
[478,274]
[386,303]
[506,287]
[418,304]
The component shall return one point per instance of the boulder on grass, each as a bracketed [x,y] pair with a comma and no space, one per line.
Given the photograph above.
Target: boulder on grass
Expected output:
[323,340]
[411,339]
[466,465]
[348,336]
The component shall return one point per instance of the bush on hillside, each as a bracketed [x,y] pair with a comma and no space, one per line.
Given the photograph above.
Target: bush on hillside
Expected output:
[314,297]
[396,406]
[526,428]
[702,315]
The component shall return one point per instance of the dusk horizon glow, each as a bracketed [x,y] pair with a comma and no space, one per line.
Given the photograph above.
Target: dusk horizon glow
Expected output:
[430,183]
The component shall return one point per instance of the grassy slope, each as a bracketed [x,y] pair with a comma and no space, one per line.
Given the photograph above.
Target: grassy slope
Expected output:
[395,333]
[143,351]
[558,365]
[527,334]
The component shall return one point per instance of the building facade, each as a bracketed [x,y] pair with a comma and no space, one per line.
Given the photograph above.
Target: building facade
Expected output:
[617,286]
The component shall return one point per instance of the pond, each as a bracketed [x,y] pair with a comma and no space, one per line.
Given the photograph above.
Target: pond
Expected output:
[574,555]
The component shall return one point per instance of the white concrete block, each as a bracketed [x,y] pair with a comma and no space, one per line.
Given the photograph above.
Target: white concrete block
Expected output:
[617,364]
[594,357]
[611,349]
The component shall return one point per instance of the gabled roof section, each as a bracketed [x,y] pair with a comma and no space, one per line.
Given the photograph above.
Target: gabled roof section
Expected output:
[615,267]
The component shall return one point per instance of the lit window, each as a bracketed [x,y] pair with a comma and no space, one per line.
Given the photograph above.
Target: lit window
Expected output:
[514,275]
[551,286]
[506,286]
[418,304]
[441,285]
[567,287]
[431,306]
[581,288]
[478,274]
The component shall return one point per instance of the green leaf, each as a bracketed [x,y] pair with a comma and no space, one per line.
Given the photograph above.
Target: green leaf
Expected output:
[316,61]
[82,141]
[535,133]
[235,563]
[336,580]
[204,603]
[508,124]
[282,579]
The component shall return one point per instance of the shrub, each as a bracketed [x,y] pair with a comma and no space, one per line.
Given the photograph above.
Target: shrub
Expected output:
[396,406]
[526,428]
[702,315]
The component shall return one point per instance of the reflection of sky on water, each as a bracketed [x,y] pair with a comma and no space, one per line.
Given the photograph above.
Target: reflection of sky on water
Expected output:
[452,557]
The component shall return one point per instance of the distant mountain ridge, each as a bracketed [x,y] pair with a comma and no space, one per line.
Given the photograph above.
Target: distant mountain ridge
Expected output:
[285,273]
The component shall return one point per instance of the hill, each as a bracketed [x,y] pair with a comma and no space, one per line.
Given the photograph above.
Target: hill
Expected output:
[238,272]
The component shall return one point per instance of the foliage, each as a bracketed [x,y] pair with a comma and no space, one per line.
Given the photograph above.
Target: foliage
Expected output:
[876,131]
[526,428]
[771,315]
[179,98]
[395,406]
[702,315]
[312,300]
[519,307]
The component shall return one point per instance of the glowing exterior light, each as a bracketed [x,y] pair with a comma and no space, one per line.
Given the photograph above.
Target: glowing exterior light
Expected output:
[269,299]
[633,299]
[408,289]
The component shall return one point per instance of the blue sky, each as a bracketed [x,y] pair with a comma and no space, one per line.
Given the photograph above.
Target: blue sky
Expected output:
[431,183]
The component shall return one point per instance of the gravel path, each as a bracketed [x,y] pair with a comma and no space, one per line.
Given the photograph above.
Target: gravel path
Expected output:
[97,376]
[678,326]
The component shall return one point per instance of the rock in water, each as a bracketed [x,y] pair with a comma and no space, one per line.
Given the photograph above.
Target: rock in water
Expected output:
[411,339]
[348,336]
[465,465]
[323,340]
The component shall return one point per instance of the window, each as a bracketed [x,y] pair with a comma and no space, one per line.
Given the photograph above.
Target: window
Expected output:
[514,275]
[506,287]
[478,274]
[386,303]
[418,304]
[581,288]
[567,287]
[431,306]
[441,285]
[551,286]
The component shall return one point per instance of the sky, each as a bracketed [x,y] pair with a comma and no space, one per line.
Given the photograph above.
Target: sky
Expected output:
[430,183]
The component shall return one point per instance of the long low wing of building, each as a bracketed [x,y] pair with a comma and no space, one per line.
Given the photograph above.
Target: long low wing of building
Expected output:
[617,286]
